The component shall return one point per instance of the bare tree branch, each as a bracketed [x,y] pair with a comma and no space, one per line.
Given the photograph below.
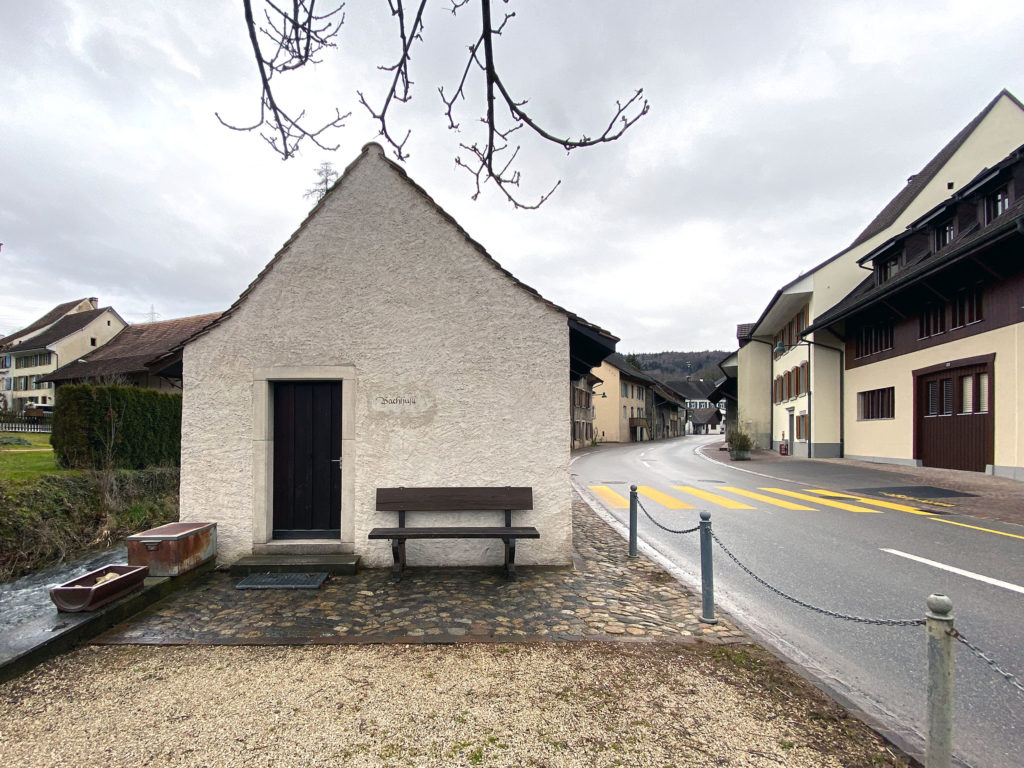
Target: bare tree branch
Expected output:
[299,35]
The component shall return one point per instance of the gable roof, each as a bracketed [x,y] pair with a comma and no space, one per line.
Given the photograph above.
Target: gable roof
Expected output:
[701,416]
[692,390]
[927,263]
[623,365]
[63,328]
[916,183]
[48,319]
[588,332]
[130,350]
[895,207]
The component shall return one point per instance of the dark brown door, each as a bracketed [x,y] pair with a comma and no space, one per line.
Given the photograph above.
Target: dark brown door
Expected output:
[307,459]
[955,420]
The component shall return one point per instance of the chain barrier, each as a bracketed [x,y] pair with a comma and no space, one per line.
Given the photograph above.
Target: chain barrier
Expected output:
[823,611]
[664,528]
[1010,678]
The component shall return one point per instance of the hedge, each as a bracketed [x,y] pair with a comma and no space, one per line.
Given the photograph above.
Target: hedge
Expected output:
[107,427]
[59,517]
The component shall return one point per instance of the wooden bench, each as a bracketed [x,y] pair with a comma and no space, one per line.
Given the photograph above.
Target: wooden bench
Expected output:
[403,500]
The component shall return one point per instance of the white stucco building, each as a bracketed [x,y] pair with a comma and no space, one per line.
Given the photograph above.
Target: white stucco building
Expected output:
[380,347]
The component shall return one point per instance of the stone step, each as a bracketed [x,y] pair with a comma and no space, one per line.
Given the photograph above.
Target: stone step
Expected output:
[336,564]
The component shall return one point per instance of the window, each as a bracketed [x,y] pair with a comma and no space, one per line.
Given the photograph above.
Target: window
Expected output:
[933,321]
[940,398]
[625,389]
[800,427]
[967,307]
[92,341]
[966,394]
[887,269]
[997,203]
[982,393]
[805,378]
[877,403]
[624,412]
[944,234]
[874,338]
[787,385]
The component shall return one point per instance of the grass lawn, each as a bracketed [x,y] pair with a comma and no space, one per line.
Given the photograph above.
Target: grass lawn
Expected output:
[24,462]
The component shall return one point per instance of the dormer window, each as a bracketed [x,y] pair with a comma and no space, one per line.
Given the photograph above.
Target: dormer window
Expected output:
[944,234]
[997,203]
[886,269]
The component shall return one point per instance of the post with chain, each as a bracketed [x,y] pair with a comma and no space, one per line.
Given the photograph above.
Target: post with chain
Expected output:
[707,576]
[632,520]
[939,628]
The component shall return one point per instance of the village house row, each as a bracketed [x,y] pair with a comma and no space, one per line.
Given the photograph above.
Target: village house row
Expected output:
[102,348]
[906,346]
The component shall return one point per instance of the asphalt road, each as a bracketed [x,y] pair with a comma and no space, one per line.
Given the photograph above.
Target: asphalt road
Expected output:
[852,561]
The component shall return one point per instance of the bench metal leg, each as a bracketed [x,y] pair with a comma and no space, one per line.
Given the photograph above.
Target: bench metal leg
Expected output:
[398,554]
[510,559]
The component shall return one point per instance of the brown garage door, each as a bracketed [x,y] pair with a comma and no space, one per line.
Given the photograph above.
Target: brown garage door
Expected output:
[955,419]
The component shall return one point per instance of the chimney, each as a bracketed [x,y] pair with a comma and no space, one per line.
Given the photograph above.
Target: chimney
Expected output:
[95,302]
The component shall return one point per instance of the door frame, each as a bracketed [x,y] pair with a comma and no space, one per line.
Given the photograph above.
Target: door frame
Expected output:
[263,445]
[920,374]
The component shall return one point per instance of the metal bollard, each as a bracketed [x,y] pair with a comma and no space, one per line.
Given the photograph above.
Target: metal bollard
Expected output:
[939,625]
[632,520]
[707,576]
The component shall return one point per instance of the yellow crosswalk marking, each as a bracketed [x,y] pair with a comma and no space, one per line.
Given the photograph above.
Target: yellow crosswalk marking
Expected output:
[610,497]
[714,498]
[768,499]
[826,502]
[876,502]
[670,502]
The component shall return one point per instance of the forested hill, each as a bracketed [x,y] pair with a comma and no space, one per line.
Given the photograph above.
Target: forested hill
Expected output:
[679,365]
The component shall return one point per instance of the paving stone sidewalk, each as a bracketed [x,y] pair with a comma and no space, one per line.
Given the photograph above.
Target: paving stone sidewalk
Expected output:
[607,597]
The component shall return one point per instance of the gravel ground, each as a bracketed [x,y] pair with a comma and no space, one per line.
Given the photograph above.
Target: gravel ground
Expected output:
[551,704]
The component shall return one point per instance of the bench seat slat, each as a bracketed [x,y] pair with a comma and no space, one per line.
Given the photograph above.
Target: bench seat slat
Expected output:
[453,499]
[458,532]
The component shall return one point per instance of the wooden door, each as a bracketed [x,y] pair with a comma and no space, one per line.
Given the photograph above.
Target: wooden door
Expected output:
[307,459]
[955,420]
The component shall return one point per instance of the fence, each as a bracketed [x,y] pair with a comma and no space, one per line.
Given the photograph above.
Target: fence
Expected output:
[10,423]
[938,623]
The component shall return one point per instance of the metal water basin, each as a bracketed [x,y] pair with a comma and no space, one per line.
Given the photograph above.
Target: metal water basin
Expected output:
[84,594]
[174,548]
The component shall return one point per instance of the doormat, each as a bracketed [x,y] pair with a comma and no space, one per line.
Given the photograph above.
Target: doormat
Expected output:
[282,581]
[918,491]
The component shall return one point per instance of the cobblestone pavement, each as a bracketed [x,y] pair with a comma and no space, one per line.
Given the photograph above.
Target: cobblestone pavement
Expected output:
[608,597]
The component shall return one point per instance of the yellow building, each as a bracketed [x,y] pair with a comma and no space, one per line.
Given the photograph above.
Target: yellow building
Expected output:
[790,388]
[65,333]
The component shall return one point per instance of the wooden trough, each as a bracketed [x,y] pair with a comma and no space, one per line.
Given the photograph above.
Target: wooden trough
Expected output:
[95,589]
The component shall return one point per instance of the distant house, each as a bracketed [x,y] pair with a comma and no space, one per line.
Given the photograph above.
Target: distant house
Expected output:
[789,367]
[137,356]
[67,332]
[932,357]
[380,347]
[582,408]
[632,406]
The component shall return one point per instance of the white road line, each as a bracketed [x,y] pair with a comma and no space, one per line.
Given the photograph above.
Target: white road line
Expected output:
[959,571]
[698,451]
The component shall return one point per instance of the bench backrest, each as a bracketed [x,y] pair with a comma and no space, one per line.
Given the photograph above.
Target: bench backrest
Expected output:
[453,499]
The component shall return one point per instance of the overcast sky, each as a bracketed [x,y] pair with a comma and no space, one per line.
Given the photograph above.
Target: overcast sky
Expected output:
[776,132]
